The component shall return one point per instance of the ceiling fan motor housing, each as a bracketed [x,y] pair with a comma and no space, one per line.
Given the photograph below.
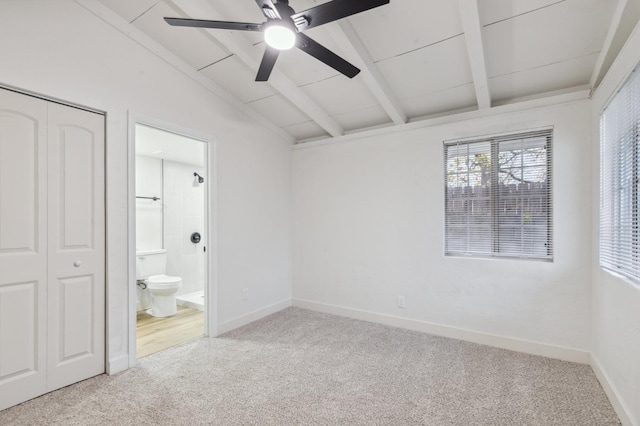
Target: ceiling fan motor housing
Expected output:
[284,9]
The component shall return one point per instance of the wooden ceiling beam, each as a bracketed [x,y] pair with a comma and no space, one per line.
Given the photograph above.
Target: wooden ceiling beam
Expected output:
[596,76]
[475,48]
[124,27]
[240,47]
[348,39]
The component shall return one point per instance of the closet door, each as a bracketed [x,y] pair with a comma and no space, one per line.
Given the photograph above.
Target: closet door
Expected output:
[76,300]
[23,247]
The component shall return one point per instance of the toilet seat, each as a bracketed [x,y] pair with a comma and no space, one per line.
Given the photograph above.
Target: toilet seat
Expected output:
[163,281]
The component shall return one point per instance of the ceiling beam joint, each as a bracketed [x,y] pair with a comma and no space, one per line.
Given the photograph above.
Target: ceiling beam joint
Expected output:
[596,76]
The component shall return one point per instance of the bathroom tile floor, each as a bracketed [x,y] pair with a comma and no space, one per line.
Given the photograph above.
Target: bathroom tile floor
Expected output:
[156,334]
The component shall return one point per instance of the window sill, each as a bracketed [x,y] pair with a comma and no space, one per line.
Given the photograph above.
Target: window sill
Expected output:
[495,257]
[634,283]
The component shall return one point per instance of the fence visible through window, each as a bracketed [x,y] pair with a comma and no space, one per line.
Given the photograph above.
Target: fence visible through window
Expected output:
[498,196]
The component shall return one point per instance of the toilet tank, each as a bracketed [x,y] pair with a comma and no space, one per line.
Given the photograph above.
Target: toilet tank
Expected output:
[150,262]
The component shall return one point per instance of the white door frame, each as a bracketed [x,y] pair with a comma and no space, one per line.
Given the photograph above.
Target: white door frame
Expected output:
[211,272]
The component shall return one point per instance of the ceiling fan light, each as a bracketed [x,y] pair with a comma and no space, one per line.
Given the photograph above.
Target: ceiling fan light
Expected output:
[280,37]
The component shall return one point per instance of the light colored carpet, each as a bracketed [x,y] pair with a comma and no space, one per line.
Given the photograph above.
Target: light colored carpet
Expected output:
[298,367]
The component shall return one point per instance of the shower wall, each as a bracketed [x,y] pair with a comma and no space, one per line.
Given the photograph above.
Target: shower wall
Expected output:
[169,222]
[184,214]
[148,212]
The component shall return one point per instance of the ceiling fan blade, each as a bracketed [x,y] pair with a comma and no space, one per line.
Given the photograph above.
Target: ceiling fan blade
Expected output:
[223,25]
[332,11]
[268,61]
[268,9]
[323,54]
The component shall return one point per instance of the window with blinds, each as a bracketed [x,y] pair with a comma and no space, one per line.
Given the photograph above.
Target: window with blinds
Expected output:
[619,185]
[498,196]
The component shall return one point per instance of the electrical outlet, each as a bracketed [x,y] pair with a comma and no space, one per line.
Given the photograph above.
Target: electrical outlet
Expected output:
[401,302]
[245,293]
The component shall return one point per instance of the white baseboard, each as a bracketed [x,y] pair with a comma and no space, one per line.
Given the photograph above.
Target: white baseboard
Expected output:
[234,323]
[518,345]
[118,364]
[612,393]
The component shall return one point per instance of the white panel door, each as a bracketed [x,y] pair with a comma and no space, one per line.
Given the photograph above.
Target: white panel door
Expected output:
[76,308]
[23,247]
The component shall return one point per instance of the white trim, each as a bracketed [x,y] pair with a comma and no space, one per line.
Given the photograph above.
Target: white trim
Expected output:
[211,281]
[498,135]
[560,99]
[118,364]
[510,343]
[131,238]
[211,266]
[582,88]
[612,393]
[236,322]
[51,99]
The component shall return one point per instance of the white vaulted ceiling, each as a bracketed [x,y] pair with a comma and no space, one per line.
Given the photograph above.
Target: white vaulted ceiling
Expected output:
[419,58]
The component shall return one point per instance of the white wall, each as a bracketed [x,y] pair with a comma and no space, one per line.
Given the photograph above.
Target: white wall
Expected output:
[60,49]
[368,226]
[616,301]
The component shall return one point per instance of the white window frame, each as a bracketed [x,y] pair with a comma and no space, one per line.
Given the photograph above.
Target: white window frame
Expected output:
[619,247]
[496,230]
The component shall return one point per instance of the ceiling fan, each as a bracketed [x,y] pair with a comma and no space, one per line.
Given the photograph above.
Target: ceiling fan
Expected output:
[283,30]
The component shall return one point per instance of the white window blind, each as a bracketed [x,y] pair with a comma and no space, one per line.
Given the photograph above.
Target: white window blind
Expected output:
[498,196]
[619,187]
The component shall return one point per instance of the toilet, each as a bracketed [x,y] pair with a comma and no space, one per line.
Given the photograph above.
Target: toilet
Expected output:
[150,268]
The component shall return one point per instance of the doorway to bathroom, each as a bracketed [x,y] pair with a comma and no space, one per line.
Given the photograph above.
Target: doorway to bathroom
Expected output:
[171,238]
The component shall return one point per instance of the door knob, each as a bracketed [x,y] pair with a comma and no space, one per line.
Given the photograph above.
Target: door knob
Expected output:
[77,263]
